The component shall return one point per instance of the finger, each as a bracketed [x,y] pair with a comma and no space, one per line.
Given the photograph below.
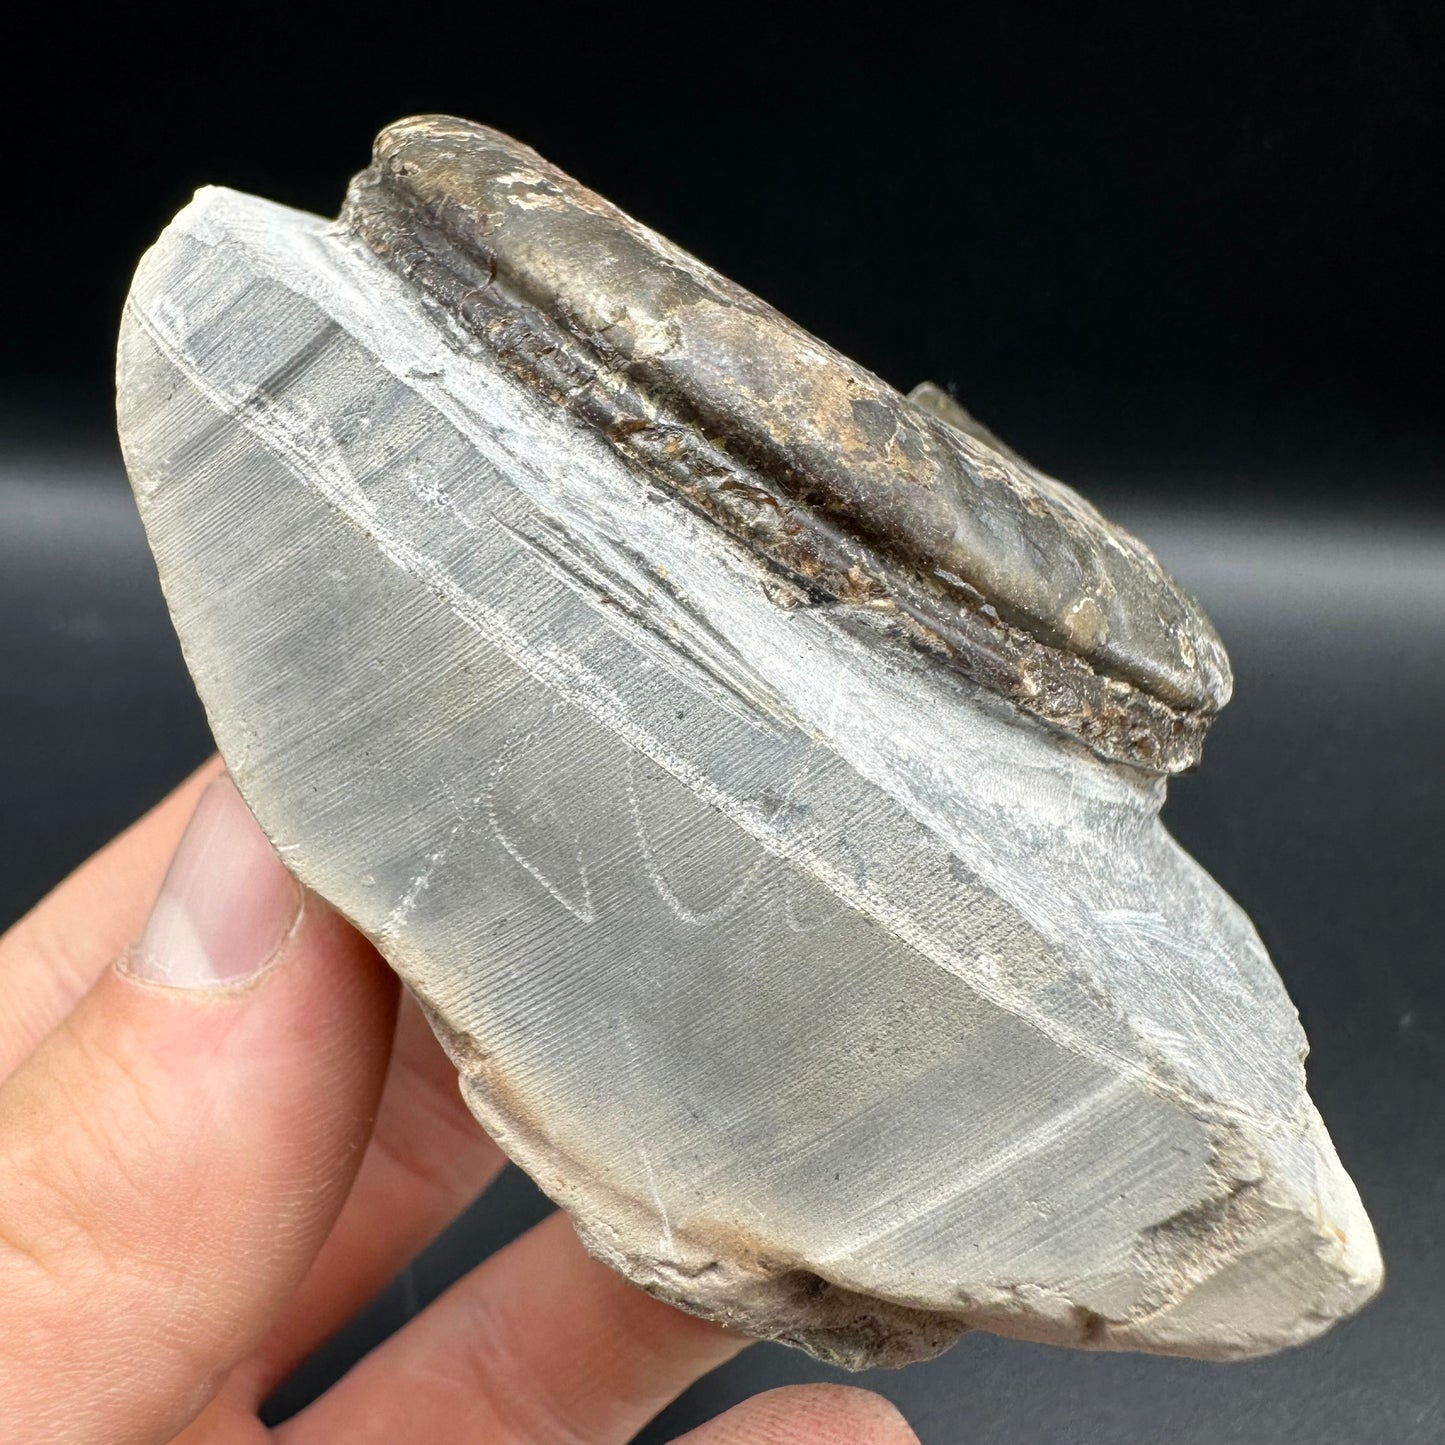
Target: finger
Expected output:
[54,954]
[807,1415]
[427,1160]
[541,1344]
[174,1154]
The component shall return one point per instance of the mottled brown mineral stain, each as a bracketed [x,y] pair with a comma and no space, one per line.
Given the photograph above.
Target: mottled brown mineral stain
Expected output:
[820,468]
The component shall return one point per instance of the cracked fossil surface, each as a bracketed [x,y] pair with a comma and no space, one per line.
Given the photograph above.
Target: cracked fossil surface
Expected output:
[754,772]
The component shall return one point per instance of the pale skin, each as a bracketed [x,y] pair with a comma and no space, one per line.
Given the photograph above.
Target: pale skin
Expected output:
[198,1186]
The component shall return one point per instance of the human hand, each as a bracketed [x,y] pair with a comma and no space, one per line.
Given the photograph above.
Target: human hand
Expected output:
[217,1143]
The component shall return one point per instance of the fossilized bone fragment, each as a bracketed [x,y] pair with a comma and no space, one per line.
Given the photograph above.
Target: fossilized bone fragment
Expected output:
[754,771]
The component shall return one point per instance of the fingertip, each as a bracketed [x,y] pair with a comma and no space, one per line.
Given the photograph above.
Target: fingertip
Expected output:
[873,1418]
[55,953]
[808,1415]
[227,905]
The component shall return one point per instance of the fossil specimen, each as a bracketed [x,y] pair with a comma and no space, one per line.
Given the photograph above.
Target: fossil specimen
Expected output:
[754,771]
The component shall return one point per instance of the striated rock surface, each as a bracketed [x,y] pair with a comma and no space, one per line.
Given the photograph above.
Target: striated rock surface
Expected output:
[762,800]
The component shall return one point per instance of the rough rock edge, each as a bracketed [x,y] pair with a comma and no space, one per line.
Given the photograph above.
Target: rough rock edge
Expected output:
[736,1281]
[774,1299]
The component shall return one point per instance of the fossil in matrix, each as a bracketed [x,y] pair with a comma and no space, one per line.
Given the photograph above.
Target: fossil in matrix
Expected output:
[754,771]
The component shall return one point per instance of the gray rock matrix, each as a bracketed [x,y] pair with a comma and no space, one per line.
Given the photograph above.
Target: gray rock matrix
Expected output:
[838,993]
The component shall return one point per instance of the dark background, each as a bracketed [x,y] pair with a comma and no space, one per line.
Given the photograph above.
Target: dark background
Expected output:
[1206,235]
[1186,257]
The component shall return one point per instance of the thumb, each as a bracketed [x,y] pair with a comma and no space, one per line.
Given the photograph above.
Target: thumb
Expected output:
[174,1154]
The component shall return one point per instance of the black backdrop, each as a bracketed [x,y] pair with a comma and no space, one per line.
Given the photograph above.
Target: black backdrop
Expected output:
[1183,256]
[1194,232]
